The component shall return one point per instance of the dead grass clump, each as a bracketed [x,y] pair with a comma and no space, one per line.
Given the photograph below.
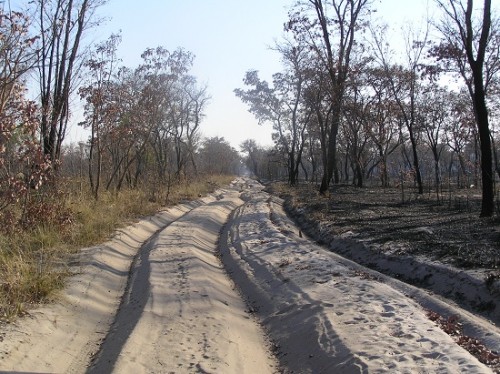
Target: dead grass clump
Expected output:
[95,220]
[30,273]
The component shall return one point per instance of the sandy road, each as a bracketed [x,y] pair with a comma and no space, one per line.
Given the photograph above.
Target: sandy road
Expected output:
[155,299]
[326,314]
[180,312]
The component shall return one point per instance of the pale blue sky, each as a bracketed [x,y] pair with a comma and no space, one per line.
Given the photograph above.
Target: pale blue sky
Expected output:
[228,38]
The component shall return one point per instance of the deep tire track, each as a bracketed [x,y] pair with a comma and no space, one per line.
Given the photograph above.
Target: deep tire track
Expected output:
[283,311]
[180,311]
[130,309]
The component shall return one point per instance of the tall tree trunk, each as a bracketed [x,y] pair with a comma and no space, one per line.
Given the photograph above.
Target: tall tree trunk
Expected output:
[337,64]
[331,160]
[61,33]
[416,165]
[487,208]
[462,17]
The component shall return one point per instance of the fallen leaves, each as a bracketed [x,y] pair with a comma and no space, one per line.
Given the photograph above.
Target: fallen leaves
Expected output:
[452,326]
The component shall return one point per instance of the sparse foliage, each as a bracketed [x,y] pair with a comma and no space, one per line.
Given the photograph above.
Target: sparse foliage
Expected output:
[330,29]
[61,25]
[467,47]
[22,165]
[283,105]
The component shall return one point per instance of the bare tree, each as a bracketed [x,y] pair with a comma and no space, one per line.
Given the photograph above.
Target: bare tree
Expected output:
[383,125]
[283,105]
[435,110]
[354,122]
[404,83]
[459,131]
[98,106]
[331,33]
[199,99]
[465,40]
[62,24]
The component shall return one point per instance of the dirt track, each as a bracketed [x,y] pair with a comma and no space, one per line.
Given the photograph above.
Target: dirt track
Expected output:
[175,311]
[180,311]
[156,299]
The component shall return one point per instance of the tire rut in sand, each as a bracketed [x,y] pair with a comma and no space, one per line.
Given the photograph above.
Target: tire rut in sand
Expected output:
[294,322]
[130,310]
[180,312]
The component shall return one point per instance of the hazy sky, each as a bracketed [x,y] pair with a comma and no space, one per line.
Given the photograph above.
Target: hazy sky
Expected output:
[228,37]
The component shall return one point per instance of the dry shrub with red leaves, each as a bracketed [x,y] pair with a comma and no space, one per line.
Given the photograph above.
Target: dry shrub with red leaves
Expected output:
[49,212]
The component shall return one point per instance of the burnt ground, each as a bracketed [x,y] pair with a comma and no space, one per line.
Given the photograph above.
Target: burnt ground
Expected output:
[412,240]
[450,231]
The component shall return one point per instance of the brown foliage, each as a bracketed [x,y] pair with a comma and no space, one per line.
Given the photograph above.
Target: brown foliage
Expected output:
[452,326]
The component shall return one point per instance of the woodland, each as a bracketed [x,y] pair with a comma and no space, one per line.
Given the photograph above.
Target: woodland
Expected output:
[345,109]
[350,108]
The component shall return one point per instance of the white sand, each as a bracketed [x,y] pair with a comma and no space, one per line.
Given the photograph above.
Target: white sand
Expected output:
[181,315]
[180,312]
[192,320]
[328,316]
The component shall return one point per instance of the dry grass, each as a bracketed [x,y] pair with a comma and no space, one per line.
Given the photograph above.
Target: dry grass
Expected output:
[29,271]
[34,258]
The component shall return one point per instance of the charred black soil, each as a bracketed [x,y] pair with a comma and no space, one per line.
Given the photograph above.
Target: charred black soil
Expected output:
[449,231]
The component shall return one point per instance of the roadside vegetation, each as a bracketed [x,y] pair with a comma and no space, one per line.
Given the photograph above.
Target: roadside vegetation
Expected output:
[142,148]
[35,257]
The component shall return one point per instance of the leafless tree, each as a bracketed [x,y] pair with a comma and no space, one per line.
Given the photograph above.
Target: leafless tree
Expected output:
[99,104]
[283,105]
[61,26]
[405,83]
[329,27]
[465,46]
